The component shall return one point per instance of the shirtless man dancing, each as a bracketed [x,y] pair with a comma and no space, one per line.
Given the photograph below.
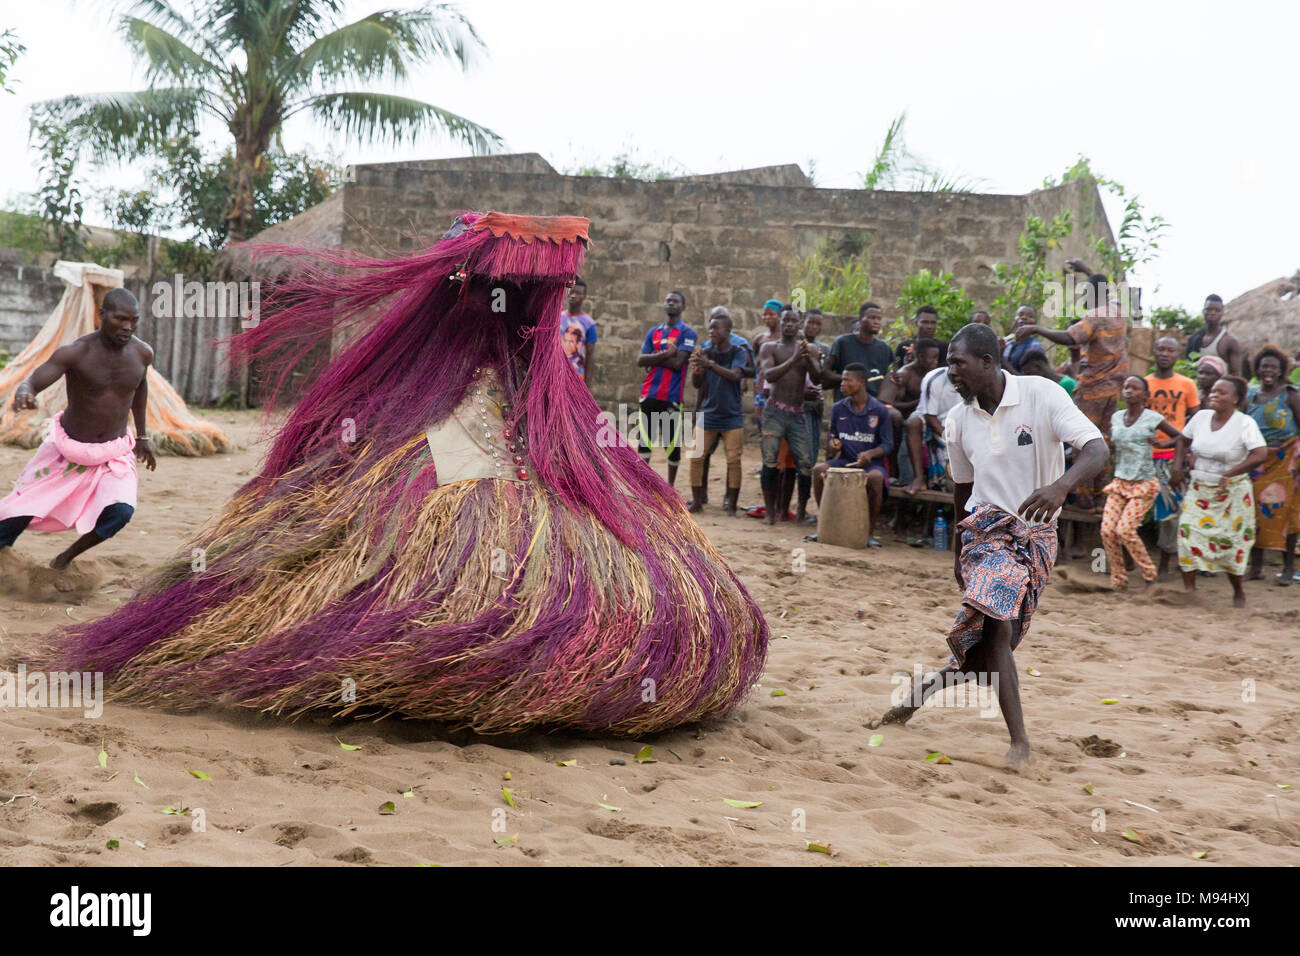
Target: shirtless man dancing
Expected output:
[84,476]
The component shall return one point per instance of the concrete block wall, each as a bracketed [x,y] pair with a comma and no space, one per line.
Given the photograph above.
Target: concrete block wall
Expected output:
[719,241]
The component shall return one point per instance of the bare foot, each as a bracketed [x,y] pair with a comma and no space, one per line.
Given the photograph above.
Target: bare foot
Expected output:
[916,486]
[60,563]
[769,519]
[695,506]
[1239,600]
[1255,576]
[1018,754]
[895,715]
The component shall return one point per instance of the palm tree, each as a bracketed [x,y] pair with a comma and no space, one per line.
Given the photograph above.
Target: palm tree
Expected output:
[894,159]
[252,64]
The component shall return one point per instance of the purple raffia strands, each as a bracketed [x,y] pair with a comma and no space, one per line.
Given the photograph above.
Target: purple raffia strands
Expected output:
[345,563]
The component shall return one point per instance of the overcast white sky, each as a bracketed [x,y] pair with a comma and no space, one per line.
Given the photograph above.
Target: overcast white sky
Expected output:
[1191,105]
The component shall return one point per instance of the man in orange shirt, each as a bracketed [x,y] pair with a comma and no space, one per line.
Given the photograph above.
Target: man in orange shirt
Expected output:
[1174,396]
[1102,336]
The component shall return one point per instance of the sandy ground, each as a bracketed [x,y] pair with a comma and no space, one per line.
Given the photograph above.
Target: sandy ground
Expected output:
[1180,761]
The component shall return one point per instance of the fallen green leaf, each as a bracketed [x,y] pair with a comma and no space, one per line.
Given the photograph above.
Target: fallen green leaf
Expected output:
[198,773]
[643,755]
[113,844]
[935,757]
[742,804]
[172,811]
[1284,786]
[876,740]
[606,806]
[348,746]
[142,783]
[103,756]
[507,841]
[1200,854]
[778,693]
[826,848]
[1135,837]
[388,809]
[510,797]
[1088,789]
[1109,700]
[408,794]
[1033,672]
[566,763]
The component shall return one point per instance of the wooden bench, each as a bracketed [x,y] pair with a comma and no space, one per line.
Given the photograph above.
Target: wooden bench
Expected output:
[945,498]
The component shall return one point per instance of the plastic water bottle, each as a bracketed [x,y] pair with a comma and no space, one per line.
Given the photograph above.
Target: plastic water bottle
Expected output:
[940,533]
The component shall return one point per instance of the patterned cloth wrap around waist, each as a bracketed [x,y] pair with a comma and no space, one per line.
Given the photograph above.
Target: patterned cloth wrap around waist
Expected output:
[1006,563]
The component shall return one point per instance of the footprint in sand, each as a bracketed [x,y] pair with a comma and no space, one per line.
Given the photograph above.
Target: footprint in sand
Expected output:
[1073,581]
[1174,596]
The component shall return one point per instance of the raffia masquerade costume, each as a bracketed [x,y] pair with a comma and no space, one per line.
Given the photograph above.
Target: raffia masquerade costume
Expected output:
[444,523]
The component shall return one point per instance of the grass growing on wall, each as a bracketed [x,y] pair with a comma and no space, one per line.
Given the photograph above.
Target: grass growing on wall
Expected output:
[836,278]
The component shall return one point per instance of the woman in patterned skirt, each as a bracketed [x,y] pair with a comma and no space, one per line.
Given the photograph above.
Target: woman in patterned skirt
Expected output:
[1130,493]
[1274,404]
[1217,528]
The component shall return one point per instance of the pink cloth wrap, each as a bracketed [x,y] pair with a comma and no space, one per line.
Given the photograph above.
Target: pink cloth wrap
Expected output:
[68,483]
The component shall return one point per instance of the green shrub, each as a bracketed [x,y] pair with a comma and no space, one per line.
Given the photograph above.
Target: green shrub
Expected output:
[926,288]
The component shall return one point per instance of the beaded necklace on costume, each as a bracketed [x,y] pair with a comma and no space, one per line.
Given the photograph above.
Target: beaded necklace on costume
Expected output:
[487,398]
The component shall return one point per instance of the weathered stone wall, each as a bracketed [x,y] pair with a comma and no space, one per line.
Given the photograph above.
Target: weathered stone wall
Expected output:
[720,241]
[28,294]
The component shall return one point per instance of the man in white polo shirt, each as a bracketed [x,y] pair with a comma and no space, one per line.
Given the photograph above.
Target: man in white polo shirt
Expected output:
[1006,454]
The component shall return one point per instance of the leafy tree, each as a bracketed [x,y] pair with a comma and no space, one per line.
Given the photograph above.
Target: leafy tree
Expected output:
[1175,317]
[897,167]
[185,189]
[58,200]
[11,48]
[1025,281]
[1137,241]
[253,64]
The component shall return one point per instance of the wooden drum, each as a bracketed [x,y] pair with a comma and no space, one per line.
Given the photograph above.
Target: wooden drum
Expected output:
[842,517]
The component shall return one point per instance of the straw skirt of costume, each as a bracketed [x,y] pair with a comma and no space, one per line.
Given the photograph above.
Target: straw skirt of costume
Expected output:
[475,550]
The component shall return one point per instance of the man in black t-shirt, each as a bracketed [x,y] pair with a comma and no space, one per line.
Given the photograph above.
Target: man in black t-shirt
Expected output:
[862,347]
[927,327]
